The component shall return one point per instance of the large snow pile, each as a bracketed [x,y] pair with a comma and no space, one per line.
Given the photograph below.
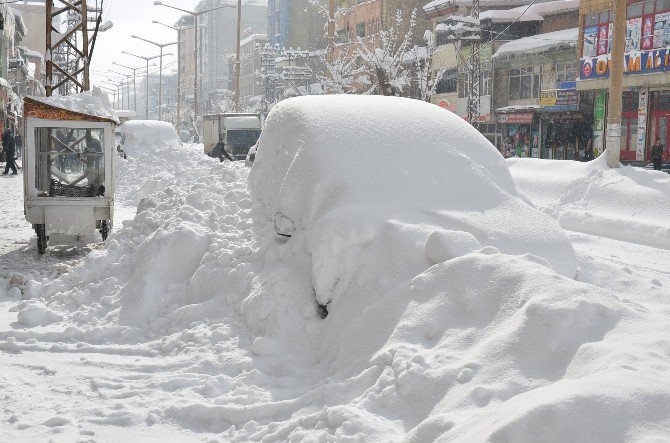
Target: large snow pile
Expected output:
[404,178]
[141,136]
[93,102]
[196,322]
[629,203]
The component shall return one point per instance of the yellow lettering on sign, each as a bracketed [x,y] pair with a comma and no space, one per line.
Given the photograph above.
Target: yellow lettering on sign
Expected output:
[633,64]
[650,63]
[667,59]
[601,67]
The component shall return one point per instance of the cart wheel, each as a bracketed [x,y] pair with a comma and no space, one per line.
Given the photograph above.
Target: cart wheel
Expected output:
[41,238]
[104,229]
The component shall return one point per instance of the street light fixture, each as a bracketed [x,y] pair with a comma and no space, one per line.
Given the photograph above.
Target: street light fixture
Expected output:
[195,16]
[134,80]
[147,59]
[160,69]
[127,76]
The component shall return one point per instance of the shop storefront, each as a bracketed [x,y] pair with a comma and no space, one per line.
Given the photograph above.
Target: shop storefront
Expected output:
[565,124]
[646,99]
[520,132]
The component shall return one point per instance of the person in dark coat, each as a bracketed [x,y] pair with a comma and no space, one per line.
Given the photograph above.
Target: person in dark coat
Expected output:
[657,155]
[220,152]
[9,148]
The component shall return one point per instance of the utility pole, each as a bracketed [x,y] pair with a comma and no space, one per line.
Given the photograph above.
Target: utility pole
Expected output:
[237,57]
[475,69]
[331,31]
[73,70]
[613,130]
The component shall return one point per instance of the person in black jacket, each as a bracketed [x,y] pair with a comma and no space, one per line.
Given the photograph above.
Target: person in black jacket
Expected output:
[220,152]
[9,148]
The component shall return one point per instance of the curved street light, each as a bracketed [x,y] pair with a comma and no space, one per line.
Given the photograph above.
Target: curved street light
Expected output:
[160,69]
[147,59]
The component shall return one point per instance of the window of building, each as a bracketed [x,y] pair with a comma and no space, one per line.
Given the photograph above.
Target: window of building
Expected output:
[525,83]
[463,84]
[448,82]
[485,85]
[360,29]
[566,71]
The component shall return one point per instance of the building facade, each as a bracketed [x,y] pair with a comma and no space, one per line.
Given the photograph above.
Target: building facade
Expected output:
[646,96]
[217,40]
[251,84]
[297,24]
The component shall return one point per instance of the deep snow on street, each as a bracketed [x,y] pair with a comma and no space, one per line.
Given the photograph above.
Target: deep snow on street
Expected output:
[196,322]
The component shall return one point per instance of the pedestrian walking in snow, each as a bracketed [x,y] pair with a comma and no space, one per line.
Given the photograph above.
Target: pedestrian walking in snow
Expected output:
[9,149]
[657,154]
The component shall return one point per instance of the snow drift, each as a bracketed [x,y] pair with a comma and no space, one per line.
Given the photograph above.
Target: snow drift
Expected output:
[195,321]
[629,203]
[358,172]
[139,136]
[93,102]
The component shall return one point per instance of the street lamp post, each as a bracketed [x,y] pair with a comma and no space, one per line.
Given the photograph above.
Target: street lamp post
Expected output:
[195,17]
[117,87]
[178,120]
[160,70]
[127,76]
[147,59]
[134,81]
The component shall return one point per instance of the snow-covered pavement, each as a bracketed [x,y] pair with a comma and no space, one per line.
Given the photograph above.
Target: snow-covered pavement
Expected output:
[196,322]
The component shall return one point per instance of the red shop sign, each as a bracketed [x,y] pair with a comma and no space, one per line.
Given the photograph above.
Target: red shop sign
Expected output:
[526,117]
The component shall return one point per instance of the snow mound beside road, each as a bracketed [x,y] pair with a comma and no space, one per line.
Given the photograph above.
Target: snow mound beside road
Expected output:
[628,203]
[142,136]
[360,172]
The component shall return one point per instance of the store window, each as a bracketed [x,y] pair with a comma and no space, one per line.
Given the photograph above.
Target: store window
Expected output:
[485,86]
[463,84]
[448,82]
[566,72]
[525,83]
[360,29]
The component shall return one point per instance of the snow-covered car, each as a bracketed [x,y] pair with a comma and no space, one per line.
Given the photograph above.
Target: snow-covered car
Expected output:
[137,136]
[404,178]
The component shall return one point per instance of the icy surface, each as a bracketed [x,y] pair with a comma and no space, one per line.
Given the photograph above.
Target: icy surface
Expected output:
[94,103]
[196,322]
[355,174]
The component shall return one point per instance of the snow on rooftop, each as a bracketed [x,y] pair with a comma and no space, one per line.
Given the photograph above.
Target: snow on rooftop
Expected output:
[534,12]
[509,15]
[94,103]
[436,5]
[550,41]
[351,170]
[253,37]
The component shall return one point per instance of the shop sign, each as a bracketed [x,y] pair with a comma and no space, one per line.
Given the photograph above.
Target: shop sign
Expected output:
[523,118]
[641,124]
[598,122]
[559,100]
[635,63]
[446,105]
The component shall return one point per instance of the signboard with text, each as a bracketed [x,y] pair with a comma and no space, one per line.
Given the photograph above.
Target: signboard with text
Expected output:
[559,100]
[637,62]
[523,118]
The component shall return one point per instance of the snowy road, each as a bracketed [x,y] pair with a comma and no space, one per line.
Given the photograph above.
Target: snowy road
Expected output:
[228,345]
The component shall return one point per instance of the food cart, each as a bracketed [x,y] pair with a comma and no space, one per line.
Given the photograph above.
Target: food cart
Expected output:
[68,176]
